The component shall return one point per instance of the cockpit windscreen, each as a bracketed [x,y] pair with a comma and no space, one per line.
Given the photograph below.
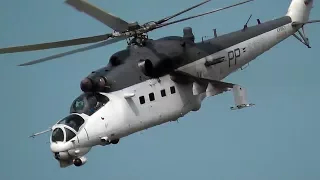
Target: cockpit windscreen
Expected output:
[73,121]
[88,103]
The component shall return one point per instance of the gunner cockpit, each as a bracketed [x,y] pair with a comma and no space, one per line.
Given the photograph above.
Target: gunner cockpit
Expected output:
[87,103]
[71,125]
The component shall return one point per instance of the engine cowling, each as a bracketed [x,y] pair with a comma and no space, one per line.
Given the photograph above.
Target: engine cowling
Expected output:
[97,84]
[156,67]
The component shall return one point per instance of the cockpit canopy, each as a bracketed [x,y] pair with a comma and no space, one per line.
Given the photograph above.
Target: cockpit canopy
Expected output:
[73,121]
[88,103]
[71,125]
[62,134]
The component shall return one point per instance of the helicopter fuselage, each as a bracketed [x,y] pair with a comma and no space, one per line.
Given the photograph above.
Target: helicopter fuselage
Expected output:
[158,100]
[138,100]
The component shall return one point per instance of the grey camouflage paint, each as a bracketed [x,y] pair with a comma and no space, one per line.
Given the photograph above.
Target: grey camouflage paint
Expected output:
[123,71]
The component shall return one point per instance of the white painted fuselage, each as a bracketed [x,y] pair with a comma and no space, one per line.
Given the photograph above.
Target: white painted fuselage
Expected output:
[162,100]
[165,100]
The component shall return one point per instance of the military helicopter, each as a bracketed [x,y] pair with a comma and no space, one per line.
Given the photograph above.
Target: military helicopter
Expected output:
[152,82]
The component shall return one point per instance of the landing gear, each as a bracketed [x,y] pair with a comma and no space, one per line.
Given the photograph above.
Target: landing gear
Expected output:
[107,141]
[79,161]
[115,141]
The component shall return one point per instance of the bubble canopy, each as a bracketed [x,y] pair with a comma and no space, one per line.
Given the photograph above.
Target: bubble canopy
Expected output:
[88,103]
[70,125]
[73,121]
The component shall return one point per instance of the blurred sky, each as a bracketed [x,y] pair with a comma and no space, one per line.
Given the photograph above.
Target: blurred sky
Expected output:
[277,139]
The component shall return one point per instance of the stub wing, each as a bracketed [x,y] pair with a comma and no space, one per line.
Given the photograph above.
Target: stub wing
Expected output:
[214,87]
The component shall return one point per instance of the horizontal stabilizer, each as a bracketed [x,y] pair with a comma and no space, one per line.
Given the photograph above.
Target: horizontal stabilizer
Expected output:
[302,37]
[308,22]
[313,21]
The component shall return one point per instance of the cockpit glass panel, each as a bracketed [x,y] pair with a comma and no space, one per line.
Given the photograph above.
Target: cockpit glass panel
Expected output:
[69,134]
[79,103]
[73,121]
[88,103]
[57,135]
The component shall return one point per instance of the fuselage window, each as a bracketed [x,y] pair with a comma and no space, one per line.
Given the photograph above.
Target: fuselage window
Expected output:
[142,100]
[163,92]
[151,96]
[172,89]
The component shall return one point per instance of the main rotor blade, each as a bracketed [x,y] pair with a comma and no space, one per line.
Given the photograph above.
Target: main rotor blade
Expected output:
[56,44]
[108,19]
[181,12]
[195,16]
[104,43]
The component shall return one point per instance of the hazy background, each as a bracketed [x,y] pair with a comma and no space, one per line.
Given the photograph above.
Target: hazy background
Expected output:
[277,139]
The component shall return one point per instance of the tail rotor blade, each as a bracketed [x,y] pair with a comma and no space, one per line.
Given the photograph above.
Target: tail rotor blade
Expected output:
[104,43]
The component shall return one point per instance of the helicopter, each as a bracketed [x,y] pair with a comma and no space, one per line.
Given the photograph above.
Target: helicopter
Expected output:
[153,82]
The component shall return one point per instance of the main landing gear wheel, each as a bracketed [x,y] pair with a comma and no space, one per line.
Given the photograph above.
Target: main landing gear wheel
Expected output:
[115,141]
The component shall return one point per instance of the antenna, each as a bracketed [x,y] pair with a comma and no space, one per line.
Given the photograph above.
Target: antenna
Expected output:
[246,25]
[39,133]
[258,20]
[215,33]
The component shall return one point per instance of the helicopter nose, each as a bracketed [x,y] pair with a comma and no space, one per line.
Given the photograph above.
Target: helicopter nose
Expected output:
[62,156]
[60,146]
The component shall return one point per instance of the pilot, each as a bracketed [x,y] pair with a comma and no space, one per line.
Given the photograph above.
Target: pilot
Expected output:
[71,123]
[93,102]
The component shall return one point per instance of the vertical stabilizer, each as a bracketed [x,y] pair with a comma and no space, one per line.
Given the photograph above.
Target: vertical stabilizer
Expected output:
[299,10]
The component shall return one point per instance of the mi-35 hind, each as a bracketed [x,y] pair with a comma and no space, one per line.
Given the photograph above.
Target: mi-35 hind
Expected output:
[152,82]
